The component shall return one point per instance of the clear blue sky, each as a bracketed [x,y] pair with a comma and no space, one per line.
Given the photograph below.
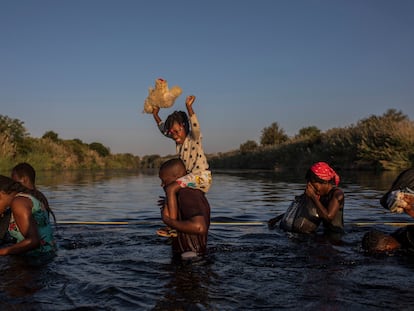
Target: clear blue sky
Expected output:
[82,68]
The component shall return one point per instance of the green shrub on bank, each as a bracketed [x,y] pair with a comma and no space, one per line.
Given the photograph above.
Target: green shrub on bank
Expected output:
[52,153]
[376,143]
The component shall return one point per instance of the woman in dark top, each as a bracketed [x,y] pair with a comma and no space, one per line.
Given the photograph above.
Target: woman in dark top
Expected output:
[322,189]
[322,201]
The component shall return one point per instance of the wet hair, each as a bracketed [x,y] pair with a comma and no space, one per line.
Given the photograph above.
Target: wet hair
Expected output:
[181,118]
[8,185]
[25,169]
[376,241]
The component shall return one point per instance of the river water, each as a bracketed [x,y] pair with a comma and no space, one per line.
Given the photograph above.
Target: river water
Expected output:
[128,267]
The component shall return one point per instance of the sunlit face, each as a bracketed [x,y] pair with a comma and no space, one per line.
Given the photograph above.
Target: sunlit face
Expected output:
[177,132]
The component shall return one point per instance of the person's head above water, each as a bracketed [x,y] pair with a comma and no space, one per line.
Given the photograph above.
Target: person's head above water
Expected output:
[171,170]
[25,174]
[376,241]
[178,126]
[322,178]
[9,188]
[321,172]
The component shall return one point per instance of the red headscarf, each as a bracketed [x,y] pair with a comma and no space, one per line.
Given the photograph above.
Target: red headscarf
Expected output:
[325,172]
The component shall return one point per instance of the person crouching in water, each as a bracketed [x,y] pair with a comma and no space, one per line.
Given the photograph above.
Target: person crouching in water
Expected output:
[322,188]
[29,223]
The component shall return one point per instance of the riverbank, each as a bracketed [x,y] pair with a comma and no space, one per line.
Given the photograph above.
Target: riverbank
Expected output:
[376,143]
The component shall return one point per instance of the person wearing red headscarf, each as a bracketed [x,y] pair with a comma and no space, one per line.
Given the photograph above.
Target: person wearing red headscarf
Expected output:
[322,187]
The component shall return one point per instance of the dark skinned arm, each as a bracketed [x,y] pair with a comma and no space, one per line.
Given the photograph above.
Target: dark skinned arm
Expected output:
[172,204]
[22,213]
[196,225]
[329,213]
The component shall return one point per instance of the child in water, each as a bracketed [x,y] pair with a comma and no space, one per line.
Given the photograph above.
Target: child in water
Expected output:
[190,150]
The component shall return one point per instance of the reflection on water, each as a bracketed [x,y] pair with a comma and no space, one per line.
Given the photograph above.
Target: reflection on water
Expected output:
[128,267]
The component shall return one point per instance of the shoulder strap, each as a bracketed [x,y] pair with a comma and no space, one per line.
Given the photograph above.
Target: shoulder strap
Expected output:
[25,195]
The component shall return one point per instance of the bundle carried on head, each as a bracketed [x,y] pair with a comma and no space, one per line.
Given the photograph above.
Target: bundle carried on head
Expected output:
[161,96]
